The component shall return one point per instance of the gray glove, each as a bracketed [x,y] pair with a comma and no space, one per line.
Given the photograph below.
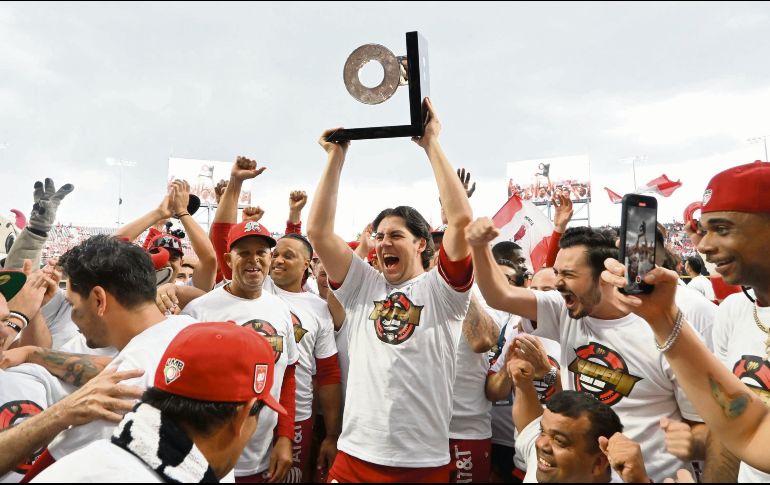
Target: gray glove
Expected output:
[46,203]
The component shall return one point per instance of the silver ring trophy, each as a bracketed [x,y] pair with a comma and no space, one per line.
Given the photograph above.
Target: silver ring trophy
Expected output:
[410,70]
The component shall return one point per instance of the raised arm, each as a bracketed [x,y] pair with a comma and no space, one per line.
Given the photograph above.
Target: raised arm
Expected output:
[526,404]
[227,209]
[490,278]
[205,273]
[332,249]
[734,414]
[454,199]
[135,228]
[297,201]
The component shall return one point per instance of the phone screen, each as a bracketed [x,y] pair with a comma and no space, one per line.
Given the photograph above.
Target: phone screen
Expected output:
[639,248]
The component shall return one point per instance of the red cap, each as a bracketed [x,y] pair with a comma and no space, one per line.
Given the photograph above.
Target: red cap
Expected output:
[745,188]
[248,229]
[219,362]
[354,245]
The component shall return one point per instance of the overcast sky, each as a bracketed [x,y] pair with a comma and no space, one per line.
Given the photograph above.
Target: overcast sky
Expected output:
[683,85]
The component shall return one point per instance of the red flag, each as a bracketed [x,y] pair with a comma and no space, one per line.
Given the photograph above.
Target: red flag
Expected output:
[614,198]
[661,185]
[523,223]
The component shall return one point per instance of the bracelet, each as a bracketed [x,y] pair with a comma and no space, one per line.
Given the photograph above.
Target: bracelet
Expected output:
[179,216]
[674,333]
[9,323]
[22,317]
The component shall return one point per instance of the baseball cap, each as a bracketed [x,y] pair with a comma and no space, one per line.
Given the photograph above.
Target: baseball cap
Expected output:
[167,241]
[353,245]
[11,283]
[744,188]
[219,362]
[248,229]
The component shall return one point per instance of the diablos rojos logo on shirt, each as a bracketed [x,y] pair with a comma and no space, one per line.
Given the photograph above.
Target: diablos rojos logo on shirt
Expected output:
[755,373]
[267,330]
[395,318]
[13,413]
[602,372]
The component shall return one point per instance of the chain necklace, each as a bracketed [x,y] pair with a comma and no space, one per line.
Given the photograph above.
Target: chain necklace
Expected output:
[765,330]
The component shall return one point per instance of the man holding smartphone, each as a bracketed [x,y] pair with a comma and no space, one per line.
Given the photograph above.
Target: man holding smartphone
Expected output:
[606,352]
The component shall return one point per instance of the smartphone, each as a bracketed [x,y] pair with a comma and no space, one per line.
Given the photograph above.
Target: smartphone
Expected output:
[637,240]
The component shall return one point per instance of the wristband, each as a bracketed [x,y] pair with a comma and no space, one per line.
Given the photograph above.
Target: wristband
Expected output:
[22,317]
[9,323]
[181,215]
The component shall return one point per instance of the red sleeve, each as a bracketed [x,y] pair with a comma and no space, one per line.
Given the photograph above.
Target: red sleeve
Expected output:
[458,274]
[553,249]
[218,236]
[289,401]
[328,371]
[292,228]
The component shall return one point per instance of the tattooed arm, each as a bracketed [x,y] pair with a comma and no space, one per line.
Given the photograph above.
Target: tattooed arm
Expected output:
[479,329]
[75,369]
[734,415]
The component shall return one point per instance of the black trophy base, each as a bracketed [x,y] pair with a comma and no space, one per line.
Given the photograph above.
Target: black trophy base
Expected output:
[375,132]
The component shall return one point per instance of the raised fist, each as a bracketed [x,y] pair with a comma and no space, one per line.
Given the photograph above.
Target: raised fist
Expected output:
[481,232]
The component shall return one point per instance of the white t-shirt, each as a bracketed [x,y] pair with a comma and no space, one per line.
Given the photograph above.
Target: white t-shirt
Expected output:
[698,311]
[270,317]
[617,362]
[403,339]
[341,337]
[314,335]
[471,418]
[144,351]
[525,448]
[740,345]
[99,462]
[77,345]
[25,391]
[702,285]
[58,316]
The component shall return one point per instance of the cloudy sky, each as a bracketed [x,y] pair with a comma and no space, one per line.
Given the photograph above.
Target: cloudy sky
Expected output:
[681,85]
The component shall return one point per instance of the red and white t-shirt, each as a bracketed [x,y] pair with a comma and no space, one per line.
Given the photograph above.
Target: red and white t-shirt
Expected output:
[617,362]
[26,390]
[740,345]
[144,351]
[402,341]
[314,335]
[271,317]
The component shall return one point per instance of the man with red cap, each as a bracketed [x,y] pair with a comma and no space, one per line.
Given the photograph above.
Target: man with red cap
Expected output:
[193,424]
[318,372]
[733,233]
[244,301]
